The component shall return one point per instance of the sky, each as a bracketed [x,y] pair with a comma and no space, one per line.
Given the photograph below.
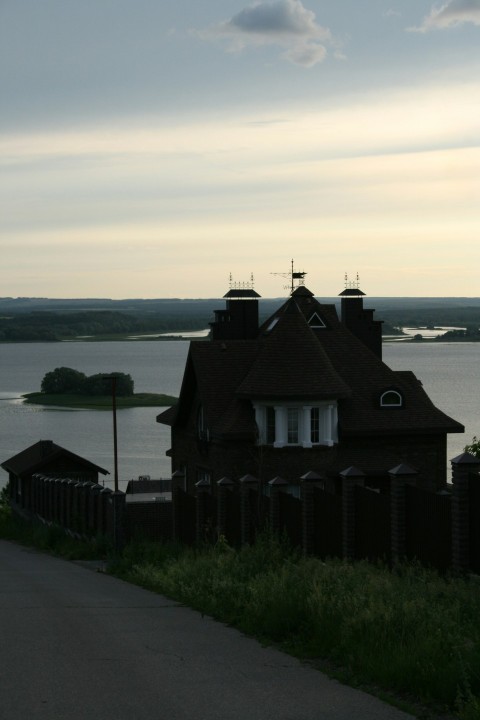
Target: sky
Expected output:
[158,149]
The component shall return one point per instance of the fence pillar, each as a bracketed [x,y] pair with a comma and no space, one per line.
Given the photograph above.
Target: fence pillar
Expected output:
[104,509]
[62,489]
[178,484]
[118,520]
[34,493]
[203,490]
[247,482]
[224,486]
[350,477]
[462,466]
[276,486]
[399,475]
[308,483]
[70,489]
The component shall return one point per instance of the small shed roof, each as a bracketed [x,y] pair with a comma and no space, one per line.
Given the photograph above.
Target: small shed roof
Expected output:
[33,458]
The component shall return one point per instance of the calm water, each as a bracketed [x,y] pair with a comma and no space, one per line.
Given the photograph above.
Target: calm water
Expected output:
[142,442]
[449,373]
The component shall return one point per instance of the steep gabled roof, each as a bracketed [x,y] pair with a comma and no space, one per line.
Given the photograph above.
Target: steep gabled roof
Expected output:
[291,363]
[213,371]
[368,377]
[35,457]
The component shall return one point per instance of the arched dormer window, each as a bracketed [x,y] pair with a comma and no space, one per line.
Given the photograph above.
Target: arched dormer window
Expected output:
[391,398]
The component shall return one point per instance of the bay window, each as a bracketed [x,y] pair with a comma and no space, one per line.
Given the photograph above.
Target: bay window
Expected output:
[286,424]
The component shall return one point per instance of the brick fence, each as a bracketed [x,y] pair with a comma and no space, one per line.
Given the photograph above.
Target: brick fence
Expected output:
[389,519]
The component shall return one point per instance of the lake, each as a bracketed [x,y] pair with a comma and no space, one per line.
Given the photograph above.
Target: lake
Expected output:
[448,371]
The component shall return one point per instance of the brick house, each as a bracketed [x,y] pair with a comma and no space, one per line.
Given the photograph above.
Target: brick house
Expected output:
[304,391]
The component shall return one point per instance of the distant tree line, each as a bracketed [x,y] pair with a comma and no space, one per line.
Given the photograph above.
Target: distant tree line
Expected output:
[462,317]
[52,326]
[67,381]
[19,322]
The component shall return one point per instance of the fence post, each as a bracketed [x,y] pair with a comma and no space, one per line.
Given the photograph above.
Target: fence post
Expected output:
[350,477]
[105,523]
[246,483]
[118,520]
[224,486]
[178,483]
[398,478]
[276,486]
[462,466]
[307,494]
[203,490]
[34,482]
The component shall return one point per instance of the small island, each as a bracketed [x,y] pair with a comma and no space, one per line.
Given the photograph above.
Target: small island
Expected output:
[69,388]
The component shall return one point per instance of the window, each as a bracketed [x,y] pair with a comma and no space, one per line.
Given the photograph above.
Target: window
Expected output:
[292,426]
[316,321]
[270,425]
[305,425]
[202,429]
[391,398]
[315,425]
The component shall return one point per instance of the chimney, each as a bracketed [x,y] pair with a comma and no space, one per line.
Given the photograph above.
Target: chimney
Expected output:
[239,320]
[360,321]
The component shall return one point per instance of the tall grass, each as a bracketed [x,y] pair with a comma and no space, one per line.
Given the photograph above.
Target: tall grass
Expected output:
[410,631]
[50,538]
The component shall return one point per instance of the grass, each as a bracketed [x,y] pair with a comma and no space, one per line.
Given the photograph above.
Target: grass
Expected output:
[51,538]
[100,402]
[410,633]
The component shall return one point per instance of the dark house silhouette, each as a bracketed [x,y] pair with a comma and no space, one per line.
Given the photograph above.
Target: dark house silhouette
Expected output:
[304,391]
[47,458]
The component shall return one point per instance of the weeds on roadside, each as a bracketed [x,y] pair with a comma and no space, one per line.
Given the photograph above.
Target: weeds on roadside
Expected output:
[409,631]
[50,538]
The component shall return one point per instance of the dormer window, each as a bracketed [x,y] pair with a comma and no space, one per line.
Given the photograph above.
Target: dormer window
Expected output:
[316,322]
[391,398]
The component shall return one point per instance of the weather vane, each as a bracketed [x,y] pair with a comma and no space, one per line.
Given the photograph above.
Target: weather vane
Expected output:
[295,277]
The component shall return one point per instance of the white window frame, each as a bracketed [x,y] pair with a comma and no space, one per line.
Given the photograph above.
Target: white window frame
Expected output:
[327,426]
[389,404]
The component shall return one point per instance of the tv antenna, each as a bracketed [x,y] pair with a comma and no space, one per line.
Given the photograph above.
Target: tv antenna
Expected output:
[241,285]
[352,284]
[296,278]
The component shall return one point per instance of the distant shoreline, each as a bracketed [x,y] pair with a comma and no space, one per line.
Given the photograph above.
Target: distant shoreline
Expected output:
[99,402]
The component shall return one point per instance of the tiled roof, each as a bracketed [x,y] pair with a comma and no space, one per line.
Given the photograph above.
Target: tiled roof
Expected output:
[292,361]
[219,368]
[33,458]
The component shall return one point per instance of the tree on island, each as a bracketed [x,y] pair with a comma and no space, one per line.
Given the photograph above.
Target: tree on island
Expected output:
[67,381]
[473,447]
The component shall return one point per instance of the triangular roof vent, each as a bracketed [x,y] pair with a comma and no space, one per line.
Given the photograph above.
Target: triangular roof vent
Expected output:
[316,321]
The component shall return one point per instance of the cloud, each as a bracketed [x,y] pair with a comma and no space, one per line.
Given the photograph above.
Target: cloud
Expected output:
[450,14]
[285,23]
[392,13]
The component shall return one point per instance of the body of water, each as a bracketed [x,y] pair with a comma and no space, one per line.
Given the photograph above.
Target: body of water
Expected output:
[154,366]
[448,371]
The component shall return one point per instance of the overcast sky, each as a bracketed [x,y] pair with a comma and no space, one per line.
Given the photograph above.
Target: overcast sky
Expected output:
[150,149]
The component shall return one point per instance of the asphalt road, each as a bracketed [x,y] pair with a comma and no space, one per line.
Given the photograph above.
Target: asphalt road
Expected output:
[81,645]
